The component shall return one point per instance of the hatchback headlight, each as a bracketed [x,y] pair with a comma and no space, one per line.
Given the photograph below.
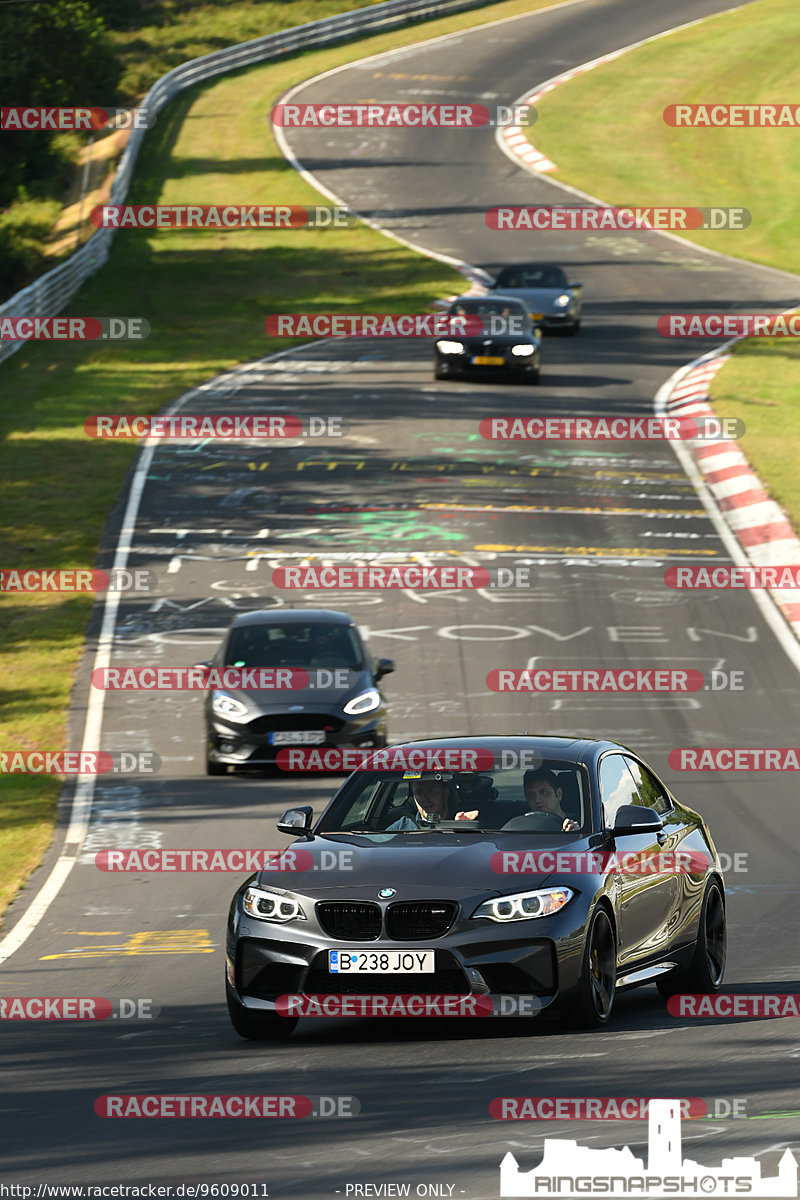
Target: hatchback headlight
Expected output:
[522,351]
[225,706]
[450,347]
[523,906]
[562,301]
[364,703]
[271,906]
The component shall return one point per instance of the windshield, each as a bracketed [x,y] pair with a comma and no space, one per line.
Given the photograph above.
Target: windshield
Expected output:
[531,277]
[537,802]
[314,645]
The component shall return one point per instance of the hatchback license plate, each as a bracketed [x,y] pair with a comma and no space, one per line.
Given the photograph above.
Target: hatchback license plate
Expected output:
[483,360]
[381,962]
[298,737]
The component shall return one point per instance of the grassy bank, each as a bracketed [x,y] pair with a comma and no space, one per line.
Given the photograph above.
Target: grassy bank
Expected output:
[205,295]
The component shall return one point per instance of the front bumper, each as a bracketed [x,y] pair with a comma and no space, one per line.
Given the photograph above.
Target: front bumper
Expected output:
[249,743]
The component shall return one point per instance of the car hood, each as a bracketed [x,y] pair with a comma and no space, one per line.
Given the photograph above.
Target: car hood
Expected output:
[312,699]
[534,295]
[416,865]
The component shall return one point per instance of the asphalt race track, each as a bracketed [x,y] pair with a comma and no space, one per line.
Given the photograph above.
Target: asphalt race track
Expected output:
[598,525]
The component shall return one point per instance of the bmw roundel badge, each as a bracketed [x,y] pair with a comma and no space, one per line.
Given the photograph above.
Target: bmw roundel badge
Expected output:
[386,893]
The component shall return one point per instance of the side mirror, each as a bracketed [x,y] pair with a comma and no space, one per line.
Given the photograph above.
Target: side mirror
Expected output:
[575,285]
[384,666]
[633,818]
[297,821]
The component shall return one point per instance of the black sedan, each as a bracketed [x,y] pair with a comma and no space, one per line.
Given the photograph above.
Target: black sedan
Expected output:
[341,706]
[499,339]
[549,870]
[550,300]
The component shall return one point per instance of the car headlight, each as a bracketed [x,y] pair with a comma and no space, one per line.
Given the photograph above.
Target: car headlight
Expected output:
[450,347]
[523,906]
[562,301]
[522,351]
[364,703]
[225,706]
[271,906]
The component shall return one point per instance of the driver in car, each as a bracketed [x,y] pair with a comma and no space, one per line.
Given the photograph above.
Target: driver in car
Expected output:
[432,800]
[544,795]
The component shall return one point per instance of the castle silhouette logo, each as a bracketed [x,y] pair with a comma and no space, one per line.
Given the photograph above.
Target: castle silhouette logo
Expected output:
[569,1170]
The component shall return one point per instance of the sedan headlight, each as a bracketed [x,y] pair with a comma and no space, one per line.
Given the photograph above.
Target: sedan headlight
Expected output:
[271,906]
[225,706]
[562,301]
[523,906]
[364,703]
[450,347]
[522,351]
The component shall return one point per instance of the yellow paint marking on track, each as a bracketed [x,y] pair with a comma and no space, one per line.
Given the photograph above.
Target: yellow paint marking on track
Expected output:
[606,551]
[151,941]
[566,508]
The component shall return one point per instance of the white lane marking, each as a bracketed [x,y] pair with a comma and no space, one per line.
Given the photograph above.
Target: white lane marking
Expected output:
[83,797]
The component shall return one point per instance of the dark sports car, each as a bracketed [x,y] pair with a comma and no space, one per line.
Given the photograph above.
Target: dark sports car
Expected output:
[342,706]
[547,868]
[499,340]
[551,301]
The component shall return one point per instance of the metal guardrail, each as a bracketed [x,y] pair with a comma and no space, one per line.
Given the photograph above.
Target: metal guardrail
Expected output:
[48,294]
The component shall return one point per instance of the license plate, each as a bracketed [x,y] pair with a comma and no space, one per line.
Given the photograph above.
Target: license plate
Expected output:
[487,361]
[381,962]
[537,316]
[298,737]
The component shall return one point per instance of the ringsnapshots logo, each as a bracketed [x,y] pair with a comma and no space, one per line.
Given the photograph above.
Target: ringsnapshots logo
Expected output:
[79,762]
[610,429]
[76,579]
[215,427]
[586,217]
[39,119]
[568,1169]
[401,115]
[73,329]
[403,576]
[222,216]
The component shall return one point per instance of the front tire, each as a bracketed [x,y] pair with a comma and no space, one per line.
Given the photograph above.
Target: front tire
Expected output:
[704,974]
[257,1026]
[590,1006]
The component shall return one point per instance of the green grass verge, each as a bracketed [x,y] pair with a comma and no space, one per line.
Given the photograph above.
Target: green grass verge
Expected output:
[205,295]
[605,132]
